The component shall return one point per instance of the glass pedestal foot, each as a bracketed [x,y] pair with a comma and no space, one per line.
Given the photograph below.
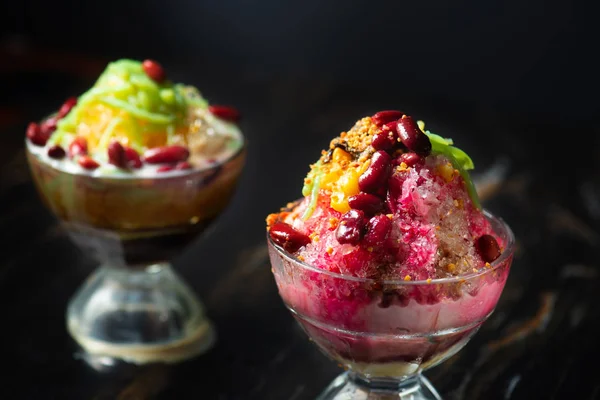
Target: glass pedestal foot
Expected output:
[139,316]
[351,386]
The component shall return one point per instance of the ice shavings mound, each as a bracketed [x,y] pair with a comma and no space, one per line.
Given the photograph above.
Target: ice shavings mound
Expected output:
[433,226]
[390,202]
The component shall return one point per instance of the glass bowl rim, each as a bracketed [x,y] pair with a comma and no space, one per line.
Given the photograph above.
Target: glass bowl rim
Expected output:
[509,249]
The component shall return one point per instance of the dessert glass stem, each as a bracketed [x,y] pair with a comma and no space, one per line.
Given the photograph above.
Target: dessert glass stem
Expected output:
[138,315]
[353,386]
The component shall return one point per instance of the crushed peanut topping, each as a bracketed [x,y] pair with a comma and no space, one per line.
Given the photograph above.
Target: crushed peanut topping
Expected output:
[272,218]
[402,167]
[447,171]
[359,137]
[333,223]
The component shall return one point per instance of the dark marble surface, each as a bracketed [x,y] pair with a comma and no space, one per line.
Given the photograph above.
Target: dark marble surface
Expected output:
[541,343]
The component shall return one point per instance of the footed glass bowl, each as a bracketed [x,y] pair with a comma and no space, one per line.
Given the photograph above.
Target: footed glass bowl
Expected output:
[385,333]
[135,308]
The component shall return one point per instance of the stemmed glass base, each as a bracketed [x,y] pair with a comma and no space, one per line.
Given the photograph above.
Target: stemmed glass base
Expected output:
[139,316]
[352,386]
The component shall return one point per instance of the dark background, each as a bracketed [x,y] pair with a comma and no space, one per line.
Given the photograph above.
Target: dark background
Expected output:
[535,57]
[510,81]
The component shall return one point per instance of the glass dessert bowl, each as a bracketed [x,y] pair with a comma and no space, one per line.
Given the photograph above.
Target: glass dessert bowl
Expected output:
[136,168]
[389,266]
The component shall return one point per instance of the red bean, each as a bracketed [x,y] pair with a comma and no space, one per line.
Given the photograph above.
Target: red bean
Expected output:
[384,140]
[225,112]
[165,168]
[367,203]
[394,192]
[36,135]
[383,117]
[87,162]
[183,166]
[410,159]
[351,227]
[377,174]
[166,154]
[66,107]
[154,70]
[56,152]
[378,230]
[488,248]
[390,126]
[287,237]
[78,147]
[49,126]
[116,155]
[413,138]
[133,158]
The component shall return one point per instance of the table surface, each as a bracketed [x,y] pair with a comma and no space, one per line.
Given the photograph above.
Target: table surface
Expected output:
[538,344]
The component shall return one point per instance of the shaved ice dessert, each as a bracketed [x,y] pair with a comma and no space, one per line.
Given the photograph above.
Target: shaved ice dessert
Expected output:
[138,162]
[136,168]
[388,260]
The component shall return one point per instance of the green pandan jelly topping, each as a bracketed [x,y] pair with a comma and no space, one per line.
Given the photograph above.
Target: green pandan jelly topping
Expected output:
[459,159]
[312,190]
[137,103]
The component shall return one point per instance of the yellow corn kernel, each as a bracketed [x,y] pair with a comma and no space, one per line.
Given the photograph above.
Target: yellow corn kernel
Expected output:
[364,167]
[329,180]
[339,202]
[340,156]
[348,183]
